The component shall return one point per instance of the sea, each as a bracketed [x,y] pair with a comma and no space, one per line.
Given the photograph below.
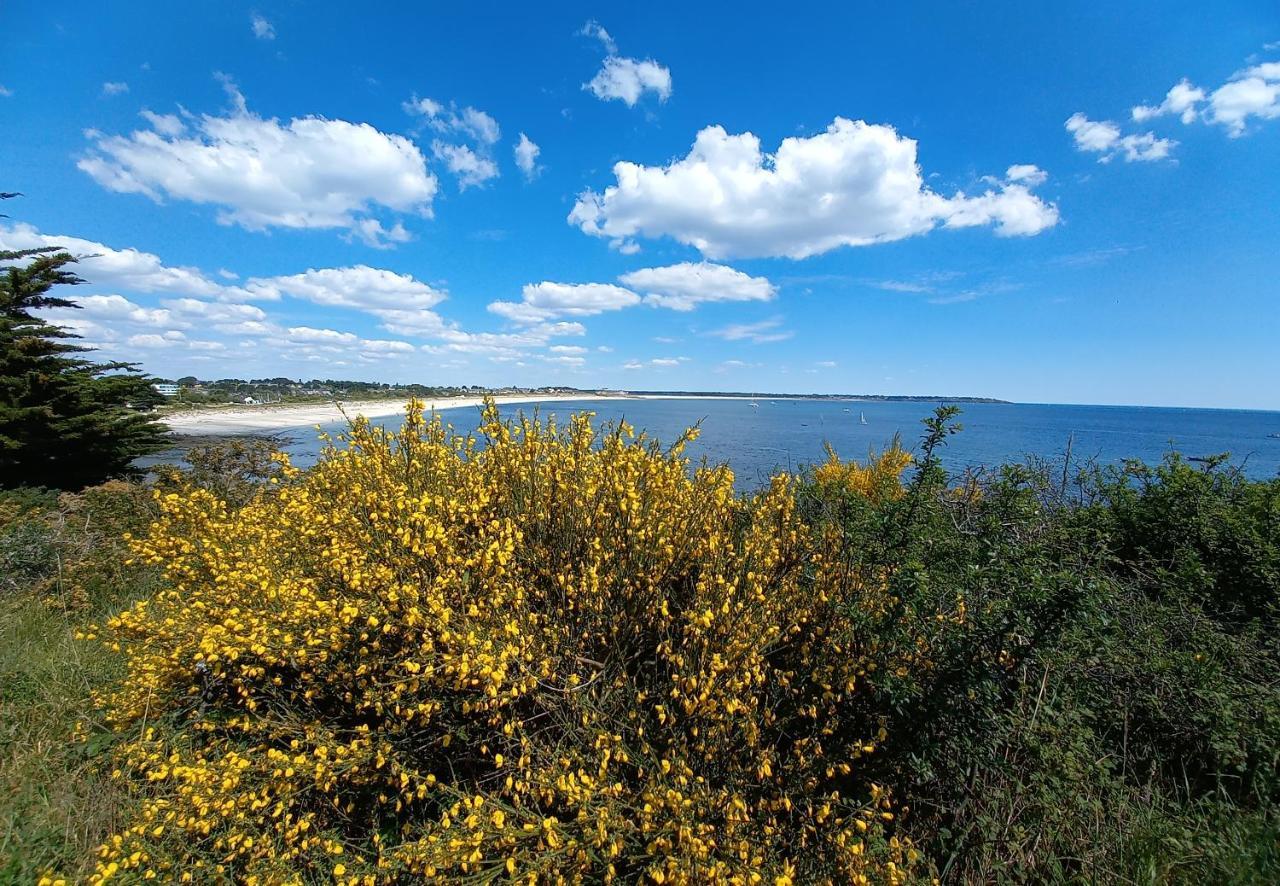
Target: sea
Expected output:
[758,440]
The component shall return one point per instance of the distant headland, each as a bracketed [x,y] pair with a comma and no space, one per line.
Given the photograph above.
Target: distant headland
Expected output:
[904,398]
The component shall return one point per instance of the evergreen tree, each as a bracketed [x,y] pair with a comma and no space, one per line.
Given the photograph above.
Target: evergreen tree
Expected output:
[65,421]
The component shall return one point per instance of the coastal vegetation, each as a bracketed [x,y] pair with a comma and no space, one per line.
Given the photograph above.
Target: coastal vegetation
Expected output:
[563,652]
[190,392]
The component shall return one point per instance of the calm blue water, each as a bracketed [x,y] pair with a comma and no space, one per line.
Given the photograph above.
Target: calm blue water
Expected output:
[788,433]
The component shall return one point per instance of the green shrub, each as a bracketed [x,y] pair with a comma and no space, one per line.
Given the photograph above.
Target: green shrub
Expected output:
[1111,686]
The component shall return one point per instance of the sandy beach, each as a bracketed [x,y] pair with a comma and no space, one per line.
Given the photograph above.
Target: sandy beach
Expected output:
[265,419]
[233,419]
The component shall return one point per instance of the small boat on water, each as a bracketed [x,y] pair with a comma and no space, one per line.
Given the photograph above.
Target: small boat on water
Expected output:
[862,418]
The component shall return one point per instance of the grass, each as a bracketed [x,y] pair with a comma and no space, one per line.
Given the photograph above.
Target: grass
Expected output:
[62,568]
[56,804]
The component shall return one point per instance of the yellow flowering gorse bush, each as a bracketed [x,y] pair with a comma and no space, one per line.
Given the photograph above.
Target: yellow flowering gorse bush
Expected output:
[544,654]
[879,479]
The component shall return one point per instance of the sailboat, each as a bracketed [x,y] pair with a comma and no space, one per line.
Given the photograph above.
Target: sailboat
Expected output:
[754,404]
[862,418]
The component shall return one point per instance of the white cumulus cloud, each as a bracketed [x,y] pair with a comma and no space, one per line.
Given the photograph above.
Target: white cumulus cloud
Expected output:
[115,88]
[1027,173]
[399,300]
[109,310]
[101,265]
[547,300]
[469,167]
[1253,92]
[323,336]
[371,232]
[624,79]
[310,172]
[222,316]
[359,286]
[526,153]
[854,184]
[627,79]
[682,287]
[402,304]
[471,135]
[679,287]
[1103,137]
[168,339]
[385,347]
[1181,100]
[466,121]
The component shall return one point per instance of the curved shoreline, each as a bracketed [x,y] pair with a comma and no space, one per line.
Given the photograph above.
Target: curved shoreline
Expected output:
[232,419]
[253,420]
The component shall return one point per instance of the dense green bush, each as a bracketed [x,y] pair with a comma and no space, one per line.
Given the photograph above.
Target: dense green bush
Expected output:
[233,469]
[1107,708]
[1204,534]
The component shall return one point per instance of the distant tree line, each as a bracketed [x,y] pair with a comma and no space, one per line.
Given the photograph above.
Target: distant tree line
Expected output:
[903,398]
[195,390]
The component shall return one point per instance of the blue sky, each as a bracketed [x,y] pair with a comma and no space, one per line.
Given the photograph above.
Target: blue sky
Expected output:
[1051,205]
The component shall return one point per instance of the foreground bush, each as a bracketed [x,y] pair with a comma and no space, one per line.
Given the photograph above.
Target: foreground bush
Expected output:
[550,655]
[1109,708]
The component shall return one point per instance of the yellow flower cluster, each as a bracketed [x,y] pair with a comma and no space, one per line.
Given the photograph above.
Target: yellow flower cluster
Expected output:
[543,654]
[879,479]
